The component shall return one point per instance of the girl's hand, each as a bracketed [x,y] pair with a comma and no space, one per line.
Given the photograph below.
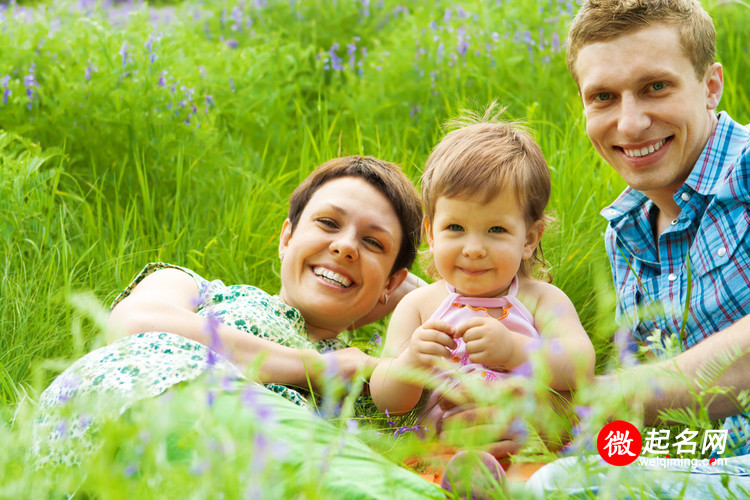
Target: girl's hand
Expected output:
[488,342]
[429,343]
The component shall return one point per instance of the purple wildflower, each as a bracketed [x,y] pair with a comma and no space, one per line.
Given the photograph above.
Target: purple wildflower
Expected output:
[5,83]
[90,69]
[463,47]
[61,429]
[216,346]
[236,16]
[130,470]
[231,84]
[518,430]
[163,83]
[351,426]
[66,386]
[626,347]
[124,53]
[388,416]
[555,42]
[461,13]
[335,59]
[447,16]
[200,467]
[84,422]
[232,43]
[434,25]
[415,110]
[400,9]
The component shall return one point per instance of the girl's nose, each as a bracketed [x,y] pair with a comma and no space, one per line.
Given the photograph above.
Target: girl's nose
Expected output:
[474,248]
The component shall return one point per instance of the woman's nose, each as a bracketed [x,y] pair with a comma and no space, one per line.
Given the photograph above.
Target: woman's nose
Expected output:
[345,245]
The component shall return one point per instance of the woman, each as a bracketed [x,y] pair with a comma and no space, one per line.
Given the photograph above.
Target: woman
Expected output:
[352,231]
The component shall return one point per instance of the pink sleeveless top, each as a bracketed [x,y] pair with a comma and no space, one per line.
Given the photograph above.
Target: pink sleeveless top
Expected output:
[456,309]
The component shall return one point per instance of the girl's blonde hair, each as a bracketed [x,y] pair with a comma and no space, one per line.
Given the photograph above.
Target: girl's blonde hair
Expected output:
[483,157]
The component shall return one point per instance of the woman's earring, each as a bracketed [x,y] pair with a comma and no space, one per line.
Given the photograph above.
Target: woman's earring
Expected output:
[384,299]
[281,256]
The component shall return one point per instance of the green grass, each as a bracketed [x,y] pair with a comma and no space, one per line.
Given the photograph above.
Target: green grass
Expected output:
[181,142]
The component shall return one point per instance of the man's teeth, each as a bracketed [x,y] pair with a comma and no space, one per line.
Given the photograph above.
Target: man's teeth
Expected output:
[329,275]
[644,151]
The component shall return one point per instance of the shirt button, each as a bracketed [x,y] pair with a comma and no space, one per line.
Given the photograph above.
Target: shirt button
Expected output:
[722,252]
[672,277]
[685,196]
[675,221]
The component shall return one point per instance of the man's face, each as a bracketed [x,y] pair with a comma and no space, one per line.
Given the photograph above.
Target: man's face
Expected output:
[647,113]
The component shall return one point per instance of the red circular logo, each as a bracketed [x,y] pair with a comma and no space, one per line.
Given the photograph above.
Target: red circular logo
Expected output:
[619,443]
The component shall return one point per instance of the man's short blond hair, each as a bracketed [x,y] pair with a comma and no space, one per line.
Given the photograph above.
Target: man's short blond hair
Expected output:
[603,20]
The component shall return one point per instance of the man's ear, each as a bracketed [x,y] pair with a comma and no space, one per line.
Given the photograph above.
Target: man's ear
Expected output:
[395,281]
[533,237]
[286,235]
[714,85]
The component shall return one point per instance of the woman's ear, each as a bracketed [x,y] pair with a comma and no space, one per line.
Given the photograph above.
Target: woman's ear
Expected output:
[395,281]
[533,237]
[286,235]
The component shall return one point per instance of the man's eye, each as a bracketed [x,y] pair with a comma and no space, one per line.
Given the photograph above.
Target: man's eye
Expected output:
[497,229]
[455,227]
[603,96]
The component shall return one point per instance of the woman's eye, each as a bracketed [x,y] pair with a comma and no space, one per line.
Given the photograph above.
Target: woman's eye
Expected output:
[455,227]
[497,229]
[374,243]
[327,223]
[658,86]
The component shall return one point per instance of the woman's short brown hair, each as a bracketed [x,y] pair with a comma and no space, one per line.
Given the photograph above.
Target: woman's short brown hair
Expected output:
[384,176]
[603,20]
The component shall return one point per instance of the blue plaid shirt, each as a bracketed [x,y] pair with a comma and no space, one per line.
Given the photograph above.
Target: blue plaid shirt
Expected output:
[703,258]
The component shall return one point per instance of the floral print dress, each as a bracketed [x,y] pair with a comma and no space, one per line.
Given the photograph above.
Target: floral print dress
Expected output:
[147,364]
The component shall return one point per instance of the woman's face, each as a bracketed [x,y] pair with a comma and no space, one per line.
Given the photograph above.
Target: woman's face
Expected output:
[336,264]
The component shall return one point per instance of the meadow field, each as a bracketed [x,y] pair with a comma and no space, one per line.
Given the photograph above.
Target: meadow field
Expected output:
[175,132]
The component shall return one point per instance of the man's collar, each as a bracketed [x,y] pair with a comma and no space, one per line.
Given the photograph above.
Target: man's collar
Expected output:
[703,179]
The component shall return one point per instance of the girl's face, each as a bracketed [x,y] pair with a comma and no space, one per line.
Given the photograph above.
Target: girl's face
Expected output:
[336,263]
[478,247]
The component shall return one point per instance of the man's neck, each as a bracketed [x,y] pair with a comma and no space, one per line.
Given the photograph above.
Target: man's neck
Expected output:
[667,211]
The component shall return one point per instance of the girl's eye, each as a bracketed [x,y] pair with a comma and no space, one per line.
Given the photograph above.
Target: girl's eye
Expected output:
[374,243]
[455,227]
[497,229]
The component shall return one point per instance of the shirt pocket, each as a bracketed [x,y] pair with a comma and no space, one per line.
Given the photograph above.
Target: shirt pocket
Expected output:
[719,240]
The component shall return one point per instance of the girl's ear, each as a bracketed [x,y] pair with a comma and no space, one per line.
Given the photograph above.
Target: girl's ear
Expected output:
[533,237]
[428,232]
[286,235]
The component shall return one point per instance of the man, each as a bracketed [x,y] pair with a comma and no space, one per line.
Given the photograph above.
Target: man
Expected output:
[678,234]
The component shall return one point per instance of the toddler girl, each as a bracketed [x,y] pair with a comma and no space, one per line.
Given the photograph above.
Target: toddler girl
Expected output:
[485,189]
